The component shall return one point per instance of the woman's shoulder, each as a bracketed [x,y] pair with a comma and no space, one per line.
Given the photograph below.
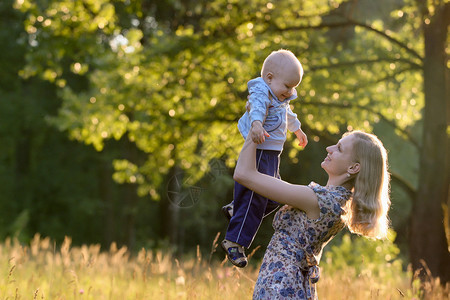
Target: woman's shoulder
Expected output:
[331,200]
[330,192]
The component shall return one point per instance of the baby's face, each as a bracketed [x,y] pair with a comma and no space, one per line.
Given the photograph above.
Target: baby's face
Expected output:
[284,82]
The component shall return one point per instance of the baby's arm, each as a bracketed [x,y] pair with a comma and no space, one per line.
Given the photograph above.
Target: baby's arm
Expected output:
[294,125]
[258,132]
[302,138]
[258,102]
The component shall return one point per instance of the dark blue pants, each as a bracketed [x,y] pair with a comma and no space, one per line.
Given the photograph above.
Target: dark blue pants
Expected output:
[249,208]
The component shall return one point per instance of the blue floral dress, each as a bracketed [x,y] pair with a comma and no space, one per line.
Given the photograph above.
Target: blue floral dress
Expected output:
[290,266]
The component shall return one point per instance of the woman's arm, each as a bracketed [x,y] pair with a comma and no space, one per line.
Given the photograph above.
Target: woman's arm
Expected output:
[298,196]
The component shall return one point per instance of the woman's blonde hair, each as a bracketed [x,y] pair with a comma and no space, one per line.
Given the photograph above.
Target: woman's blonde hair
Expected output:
[366,213]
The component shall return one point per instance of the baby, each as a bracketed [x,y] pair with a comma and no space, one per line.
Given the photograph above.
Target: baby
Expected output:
[267,119]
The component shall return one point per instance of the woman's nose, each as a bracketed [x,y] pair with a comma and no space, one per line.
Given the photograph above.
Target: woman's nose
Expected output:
[330,149]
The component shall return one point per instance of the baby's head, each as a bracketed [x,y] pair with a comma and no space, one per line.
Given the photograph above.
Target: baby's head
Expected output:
[282,72]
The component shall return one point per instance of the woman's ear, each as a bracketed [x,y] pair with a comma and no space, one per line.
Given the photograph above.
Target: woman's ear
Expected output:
[354,169]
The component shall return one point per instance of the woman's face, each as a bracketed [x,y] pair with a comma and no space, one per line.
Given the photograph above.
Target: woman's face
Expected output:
[340,157]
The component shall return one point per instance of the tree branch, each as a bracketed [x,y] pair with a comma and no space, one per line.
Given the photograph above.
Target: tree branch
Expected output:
[371,83]
[366,108]
[366,61]
[354,23]
[405,185]
[388,37]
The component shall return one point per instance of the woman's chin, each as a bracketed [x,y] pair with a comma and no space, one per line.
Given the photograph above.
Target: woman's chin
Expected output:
[323,165]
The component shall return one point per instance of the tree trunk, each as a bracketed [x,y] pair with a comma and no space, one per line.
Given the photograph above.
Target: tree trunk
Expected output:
[130,196]
[170,197]
[106,195]
[131,200]
[428,244]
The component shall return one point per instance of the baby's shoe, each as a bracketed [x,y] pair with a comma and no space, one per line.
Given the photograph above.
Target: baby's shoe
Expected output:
[235,253]
[228,210]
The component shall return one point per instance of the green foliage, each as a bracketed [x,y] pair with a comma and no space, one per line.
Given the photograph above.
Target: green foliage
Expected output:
[167,80]
[364,256]
[63,34]
[49,184]
[173,92]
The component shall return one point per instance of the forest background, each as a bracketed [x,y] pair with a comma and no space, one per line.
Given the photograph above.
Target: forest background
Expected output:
[118,117]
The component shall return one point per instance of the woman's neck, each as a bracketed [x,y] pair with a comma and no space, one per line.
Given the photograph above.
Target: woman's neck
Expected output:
[341,181]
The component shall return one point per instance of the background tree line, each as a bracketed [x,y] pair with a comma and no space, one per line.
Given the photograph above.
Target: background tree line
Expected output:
[118,118]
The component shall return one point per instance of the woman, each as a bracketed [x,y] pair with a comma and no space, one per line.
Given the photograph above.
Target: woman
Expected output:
[356,195]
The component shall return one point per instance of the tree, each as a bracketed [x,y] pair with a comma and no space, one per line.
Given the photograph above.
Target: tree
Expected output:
[433,250]
[50,185]
[425,59]
[174,89]
[430,21]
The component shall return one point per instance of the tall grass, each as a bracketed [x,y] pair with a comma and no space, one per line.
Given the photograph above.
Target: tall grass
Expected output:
[43,270]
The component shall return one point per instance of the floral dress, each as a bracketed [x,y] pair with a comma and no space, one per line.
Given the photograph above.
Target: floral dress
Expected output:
[290,266]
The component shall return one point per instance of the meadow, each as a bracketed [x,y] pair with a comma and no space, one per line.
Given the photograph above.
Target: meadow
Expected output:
[44,270]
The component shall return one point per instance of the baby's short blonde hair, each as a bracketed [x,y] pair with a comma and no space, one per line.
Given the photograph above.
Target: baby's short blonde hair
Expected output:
[279,60]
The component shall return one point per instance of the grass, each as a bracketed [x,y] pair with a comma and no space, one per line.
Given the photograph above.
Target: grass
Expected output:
[42,270]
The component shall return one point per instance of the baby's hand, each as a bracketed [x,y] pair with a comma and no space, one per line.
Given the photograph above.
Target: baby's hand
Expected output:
[302,138]
[258,133]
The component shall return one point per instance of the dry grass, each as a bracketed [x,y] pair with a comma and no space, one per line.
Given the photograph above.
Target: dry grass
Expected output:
[44,271]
